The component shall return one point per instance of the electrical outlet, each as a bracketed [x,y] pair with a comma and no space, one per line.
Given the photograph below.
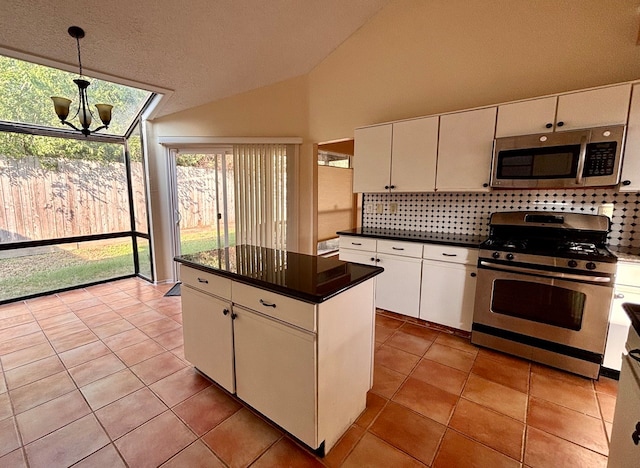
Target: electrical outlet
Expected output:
[393,208]
[379,208]
[368,208]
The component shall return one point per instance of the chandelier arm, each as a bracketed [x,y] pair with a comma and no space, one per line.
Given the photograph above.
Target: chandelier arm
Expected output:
[71,125]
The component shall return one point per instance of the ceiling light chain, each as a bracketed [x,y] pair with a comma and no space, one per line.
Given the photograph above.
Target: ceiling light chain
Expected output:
[83,112]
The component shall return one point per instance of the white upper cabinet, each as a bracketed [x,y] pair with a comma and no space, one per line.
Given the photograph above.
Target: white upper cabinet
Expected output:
[527,117]
[630,177]
[372,159]
[595,108]
[464,150]
[573,111]
[399,157]
[413,155]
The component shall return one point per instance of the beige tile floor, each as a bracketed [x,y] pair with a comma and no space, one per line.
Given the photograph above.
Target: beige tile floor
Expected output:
[97,378]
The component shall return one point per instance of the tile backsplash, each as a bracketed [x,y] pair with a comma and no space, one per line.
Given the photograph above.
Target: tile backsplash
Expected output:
[468,213]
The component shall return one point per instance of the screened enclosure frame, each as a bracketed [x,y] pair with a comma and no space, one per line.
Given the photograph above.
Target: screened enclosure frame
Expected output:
[133,234]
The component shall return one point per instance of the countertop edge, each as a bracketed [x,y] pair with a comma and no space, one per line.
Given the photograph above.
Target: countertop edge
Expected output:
[313,299]
[633,316]
[472,245]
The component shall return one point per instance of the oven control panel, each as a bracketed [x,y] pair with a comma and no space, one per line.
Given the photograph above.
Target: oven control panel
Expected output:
[531,260]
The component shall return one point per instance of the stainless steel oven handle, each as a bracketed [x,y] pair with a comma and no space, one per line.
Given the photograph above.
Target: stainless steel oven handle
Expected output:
[553,274]
[581,159]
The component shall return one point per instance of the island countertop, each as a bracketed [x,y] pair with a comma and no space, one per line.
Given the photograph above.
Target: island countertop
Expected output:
[306,277]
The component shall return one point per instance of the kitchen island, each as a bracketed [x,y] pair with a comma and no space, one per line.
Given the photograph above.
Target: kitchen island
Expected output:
[292,335]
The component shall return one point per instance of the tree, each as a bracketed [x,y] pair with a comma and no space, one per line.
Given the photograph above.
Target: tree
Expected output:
[25,91]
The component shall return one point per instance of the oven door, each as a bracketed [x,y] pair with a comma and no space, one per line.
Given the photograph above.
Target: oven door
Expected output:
[571,313]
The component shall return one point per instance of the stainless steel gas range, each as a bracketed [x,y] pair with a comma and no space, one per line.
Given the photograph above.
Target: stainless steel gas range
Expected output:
[544,290]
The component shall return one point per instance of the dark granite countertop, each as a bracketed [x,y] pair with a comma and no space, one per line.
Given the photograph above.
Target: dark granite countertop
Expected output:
[306,277]
[633,311]
[445,238]
[627,254]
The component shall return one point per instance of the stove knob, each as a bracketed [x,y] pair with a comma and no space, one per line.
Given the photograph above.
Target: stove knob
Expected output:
[509,256]
[591,266]
[495,254]
[573,263]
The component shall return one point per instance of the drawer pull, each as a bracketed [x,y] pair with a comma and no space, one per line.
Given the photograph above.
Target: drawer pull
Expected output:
[356,243]
[397,248]
[619,296]
[449,255]
[636,435]
[202,280]
[267,304]
[635,354]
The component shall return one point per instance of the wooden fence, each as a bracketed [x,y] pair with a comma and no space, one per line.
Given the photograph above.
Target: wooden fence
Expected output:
[65,198]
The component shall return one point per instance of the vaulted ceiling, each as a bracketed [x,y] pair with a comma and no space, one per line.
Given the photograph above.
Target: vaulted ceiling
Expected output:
[202,50]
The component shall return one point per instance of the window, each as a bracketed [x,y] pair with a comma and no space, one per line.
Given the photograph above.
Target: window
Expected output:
[72,208]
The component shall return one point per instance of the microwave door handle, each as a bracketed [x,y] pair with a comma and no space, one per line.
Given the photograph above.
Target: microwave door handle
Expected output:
[581,159]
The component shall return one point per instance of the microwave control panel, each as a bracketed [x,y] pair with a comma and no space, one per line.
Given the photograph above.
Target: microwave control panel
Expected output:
[600,159]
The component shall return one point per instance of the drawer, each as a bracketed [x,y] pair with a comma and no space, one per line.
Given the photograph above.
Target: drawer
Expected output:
[206,282]
[404,249]
[453,254]
[628,274]
[292,311]
[358,243]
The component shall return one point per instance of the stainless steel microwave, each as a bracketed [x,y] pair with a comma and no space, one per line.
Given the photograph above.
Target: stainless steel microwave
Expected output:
[582,158]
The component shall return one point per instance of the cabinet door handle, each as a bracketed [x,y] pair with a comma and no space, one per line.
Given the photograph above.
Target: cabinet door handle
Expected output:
[373,259]
[560,124]
[619,296]
[449,255]
[473,275]
[636,435]
[397,248]
[626,182]
[356,243]
[202,280]
[377,259]
[635,354]
[549,125]
[225,312]
[234,316]
[267,304]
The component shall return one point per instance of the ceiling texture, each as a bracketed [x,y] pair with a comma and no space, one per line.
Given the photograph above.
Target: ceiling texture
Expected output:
[201,50]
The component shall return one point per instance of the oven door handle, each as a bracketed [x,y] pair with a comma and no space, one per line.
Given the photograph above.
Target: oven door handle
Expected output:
[553,274]
[581,159]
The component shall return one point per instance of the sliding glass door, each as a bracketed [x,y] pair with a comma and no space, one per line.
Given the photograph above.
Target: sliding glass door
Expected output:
[204,213]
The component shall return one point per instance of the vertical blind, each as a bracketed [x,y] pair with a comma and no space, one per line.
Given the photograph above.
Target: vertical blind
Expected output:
[261,195]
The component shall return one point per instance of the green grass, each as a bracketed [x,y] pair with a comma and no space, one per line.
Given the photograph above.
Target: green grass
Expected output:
[33,274]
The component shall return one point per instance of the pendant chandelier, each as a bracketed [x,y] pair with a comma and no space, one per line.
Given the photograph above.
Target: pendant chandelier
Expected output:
[84,114]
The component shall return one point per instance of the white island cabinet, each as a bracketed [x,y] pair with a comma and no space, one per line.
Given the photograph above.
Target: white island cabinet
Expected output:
[305,365]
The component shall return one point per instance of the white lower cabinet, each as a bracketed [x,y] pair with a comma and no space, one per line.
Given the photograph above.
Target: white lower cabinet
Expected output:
[398,287]
[448,291]
[624,451]
[627,289]
[276,371]
[449,275]
[208,335]
[434,282]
